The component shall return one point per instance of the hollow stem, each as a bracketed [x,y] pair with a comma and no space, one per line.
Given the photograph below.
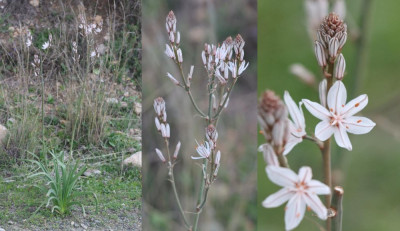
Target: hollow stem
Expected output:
[338,208]
[326,152]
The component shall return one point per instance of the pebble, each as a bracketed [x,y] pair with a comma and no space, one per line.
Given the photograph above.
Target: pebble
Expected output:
[84,226]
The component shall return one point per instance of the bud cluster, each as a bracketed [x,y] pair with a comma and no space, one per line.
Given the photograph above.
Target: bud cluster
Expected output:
[36,65]
[172,49]
[161,118]
[212,135]
[331,37]
[273,119]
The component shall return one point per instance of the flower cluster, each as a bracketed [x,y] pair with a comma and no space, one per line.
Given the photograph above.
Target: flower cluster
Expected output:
[163,128]
[36,65]
[28,38]
[88,28]
[337,119]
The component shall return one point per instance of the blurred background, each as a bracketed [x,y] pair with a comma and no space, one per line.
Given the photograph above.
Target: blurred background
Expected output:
[369,173]
[231,203]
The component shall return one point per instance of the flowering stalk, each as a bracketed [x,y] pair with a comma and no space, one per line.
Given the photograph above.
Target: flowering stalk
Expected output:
[224,64]
[337,119]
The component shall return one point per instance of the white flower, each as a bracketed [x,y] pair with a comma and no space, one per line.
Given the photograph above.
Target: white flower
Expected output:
[45,45]
[297,125]
[299,190]
[339,119]
[204,150]
[269,154]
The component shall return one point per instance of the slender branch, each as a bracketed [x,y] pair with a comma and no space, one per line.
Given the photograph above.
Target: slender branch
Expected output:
[172,180]
[319,143]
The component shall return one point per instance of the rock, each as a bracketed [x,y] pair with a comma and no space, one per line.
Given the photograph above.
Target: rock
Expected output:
[84,226]
[138,108]
[101,49]
[1,229]
[124,104]
[135,160]
[92,172]
[10,222]
[112,100]
[3,133]
[72,223]
[126,94]
[34,3]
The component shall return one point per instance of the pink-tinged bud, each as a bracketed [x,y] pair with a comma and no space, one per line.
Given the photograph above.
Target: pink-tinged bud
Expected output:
[178,38]
[211,133]
[190,75]
[342,41]
[218,158]
[171,22]
[160,155]
[171,37]
[167,131]
[216,170]
[169,52]
[214,100]
[333,47]
[203,57]
[340,67]
[322,92]
[158,124]
[177,148]
[179,53]
[163,130]
[159,107]
[238,44]
[176,82]
[320,54]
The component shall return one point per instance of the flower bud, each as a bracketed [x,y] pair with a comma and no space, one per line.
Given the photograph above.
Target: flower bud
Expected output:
[218,158]
[178,146]
[160,155]
[179,53]
[320,54]
[158,124]
[159,107]
[176,82]
[333,47]
[211,133]
[340,67]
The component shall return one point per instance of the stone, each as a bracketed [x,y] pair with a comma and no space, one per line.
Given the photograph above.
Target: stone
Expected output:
[135,160]
[84,226]
[91,172]
[138,108]
[124,104]
[34,3]
[1,229]
[3,133]
[112,100]
[10,222]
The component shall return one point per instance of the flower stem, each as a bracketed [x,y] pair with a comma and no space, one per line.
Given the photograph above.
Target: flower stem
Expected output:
[337,207]
[326,152]
[172,180]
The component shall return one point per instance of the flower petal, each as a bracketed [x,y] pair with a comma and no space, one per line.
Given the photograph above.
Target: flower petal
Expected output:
[305,174]
[294,111]
[278,198]
[292,141]
[324,130]
[295,210]
[281,176]
[313,201]
[337,97]
[269,154]
[318,187]
[316,109]
[358,125]
[355,106]
[341,137]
